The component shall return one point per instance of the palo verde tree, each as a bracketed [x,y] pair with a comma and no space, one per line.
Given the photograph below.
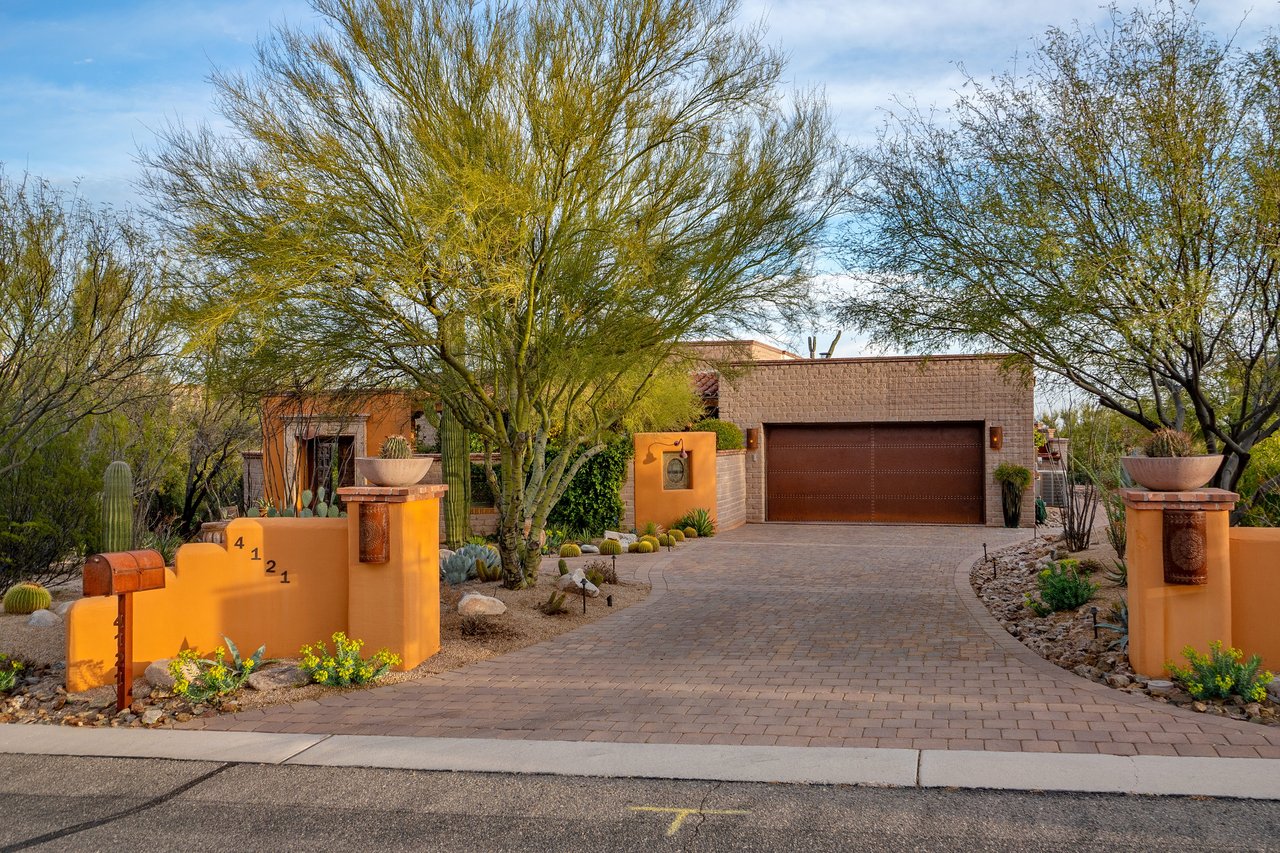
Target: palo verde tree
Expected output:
[582,182]
[1110,212]
[80,333]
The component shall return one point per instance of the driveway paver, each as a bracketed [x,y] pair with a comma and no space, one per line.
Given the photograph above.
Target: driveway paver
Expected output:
[786,635]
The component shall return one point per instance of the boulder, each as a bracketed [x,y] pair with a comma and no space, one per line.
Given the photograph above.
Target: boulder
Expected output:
[1117,680]
[157,674]
[590,549]
[44,619]
[625,538]
[151,716]
[62,608]
[445,554]
[474,604]
[279,677]
[573,583]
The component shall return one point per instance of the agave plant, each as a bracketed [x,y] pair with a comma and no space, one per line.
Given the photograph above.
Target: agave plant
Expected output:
[1119,622]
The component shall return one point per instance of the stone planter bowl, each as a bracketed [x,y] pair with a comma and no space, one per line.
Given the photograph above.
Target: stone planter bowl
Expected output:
[393,472]
[1171,473]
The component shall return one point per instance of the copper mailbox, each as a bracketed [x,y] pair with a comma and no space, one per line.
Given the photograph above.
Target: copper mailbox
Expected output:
[121,572]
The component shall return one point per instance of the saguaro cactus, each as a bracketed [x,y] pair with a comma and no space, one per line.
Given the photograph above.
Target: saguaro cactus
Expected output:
[117,507]
[455,472]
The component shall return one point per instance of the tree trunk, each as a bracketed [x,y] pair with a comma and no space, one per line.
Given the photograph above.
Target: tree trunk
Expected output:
[455,472]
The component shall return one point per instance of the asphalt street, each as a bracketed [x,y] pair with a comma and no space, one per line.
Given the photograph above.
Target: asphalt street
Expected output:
[70,803]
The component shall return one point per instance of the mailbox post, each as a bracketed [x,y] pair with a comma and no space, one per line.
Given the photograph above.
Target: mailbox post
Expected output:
[122,573]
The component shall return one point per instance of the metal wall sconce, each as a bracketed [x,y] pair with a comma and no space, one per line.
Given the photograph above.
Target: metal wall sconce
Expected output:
[753,438]
[997,437]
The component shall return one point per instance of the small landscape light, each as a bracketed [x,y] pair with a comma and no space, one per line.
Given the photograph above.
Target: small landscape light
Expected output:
[608,601]
[1093,611]
[584,596]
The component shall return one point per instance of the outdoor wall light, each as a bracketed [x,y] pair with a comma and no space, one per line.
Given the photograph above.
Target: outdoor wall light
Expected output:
[753,438]
[678,444]
[997,437]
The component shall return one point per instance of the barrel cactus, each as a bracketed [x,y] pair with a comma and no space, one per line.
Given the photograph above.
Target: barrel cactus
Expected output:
[569,549]
[634,548]
[117,507]
[1168,442]
[677,535]
[690,533]
[26,598]
[396,447]
[611,547]
[644,546]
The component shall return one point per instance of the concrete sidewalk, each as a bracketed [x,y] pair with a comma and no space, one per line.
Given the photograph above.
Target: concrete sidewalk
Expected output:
[906,768]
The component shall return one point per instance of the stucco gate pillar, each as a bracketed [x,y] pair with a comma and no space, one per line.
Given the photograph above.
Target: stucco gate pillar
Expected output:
[1179,573]
[393,547]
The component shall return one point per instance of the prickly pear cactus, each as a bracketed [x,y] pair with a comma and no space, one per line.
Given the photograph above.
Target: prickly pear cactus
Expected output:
[117,507]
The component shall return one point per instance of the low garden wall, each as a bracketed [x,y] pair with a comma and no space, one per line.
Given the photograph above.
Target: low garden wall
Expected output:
[282,582]
[731,488]
[1255,592]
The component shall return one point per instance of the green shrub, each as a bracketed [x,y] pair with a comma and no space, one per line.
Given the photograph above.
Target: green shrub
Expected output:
[592,502]
[1221,675]
[604,569]
[1015,475]
[22,598]
[201,679]
[569,549]
[699,520]
[9,669]
[1061,588]
[728,436]
[610,547]
[345,666]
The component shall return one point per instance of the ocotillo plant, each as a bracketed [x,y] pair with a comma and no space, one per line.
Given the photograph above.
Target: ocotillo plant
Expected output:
[117,507]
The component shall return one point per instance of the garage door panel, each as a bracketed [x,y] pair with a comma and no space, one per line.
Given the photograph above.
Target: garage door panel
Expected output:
[905,472]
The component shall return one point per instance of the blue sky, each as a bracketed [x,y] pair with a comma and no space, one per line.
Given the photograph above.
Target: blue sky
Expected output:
[84,84]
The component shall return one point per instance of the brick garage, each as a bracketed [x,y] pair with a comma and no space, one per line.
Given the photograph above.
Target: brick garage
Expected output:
[906,396]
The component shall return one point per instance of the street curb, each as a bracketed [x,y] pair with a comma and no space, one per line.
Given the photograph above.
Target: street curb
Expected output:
[1246,778]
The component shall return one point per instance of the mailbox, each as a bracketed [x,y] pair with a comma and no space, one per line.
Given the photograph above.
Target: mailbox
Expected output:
[122,572]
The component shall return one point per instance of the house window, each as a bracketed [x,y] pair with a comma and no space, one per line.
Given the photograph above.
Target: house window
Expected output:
[330,462]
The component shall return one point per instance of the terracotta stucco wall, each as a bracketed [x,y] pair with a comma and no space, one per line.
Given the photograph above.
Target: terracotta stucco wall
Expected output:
[1255,593]
[663,506]
[867,390]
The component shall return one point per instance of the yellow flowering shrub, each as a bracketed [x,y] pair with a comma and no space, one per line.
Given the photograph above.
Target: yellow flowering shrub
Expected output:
[345,666]
[201,679]
[1221,675]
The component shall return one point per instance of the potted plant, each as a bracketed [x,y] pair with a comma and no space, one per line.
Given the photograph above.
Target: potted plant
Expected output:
[1013,480]
[1170,463]
[395,465]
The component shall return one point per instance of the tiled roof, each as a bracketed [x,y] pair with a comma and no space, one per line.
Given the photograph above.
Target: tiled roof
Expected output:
[707,384]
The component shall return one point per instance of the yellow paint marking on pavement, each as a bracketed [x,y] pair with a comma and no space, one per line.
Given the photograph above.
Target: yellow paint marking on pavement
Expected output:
[681,814]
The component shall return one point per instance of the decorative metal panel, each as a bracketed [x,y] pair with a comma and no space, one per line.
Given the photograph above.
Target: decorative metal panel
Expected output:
[1185,560]
[375,532]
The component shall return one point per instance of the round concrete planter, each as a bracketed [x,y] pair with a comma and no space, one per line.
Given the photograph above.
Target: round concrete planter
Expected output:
[393,472]
[1171,473]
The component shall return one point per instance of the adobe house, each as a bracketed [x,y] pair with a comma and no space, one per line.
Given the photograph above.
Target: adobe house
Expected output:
[900,439]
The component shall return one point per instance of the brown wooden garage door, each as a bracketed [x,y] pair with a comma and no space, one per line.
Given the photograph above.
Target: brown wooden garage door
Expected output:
[902,472]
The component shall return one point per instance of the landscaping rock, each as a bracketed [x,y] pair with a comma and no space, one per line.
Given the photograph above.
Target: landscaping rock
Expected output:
[590,549]
[158,676]
[474,604]
[1160,687]
[61,609]
[574,583]
[279,677]
[445,554]
[625,538]
[44,619]
[151,716]
[1117,680]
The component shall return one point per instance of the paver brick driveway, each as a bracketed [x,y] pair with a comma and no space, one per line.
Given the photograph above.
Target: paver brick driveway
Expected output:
[861,636]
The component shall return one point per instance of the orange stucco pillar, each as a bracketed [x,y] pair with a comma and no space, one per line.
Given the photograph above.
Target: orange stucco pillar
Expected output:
[393,548]
[1166,617]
